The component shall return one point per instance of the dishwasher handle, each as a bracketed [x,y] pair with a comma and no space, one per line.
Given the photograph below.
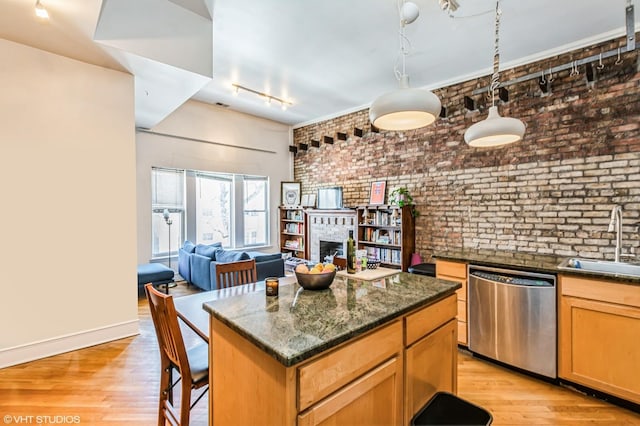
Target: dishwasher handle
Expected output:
[513,279]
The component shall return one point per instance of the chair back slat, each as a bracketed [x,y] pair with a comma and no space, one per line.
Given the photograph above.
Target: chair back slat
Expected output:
[165,321]
[236,273]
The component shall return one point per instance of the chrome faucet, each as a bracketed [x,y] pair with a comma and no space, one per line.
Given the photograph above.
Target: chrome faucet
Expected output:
[616,225]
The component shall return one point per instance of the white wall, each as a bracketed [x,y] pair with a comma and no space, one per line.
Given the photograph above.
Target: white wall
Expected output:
[68,223]
[206,122]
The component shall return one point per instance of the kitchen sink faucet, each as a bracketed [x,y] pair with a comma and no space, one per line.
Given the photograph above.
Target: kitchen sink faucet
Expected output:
[616,225]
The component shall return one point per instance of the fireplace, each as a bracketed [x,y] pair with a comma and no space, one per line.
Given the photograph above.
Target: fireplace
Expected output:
[328,226]
[328,249]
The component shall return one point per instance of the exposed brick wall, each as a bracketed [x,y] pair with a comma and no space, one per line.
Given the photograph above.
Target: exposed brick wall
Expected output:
[550,193]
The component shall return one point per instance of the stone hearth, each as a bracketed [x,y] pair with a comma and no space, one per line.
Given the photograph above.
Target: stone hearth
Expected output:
[328,225]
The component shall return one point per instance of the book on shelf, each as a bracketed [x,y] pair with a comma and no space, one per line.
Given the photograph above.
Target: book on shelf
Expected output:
[293,244]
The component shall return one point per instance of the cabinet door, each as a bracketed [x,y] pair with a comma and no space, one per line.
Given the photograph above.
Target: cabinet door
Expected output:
[373,399]
[599,346]
[431,366]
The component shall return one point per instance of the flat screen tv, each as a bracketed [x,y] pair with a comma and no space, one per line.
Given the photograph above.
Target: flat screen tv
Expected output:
[330,198]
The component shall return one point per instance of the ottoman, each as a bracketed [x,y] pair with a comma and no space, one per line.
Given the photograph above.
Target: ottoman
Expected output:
[155,273]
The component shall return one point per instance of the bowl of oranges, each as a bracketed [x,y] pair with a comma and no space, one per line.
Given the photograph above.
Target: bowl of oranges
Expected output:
[315,277]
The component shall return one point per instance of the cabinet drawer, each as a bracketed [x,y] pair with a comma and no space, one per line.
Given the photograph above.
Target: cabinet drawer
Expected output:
[462,332]
[423,322]
[375,398]
[462,292]
[330,372]
[604,291]
[452,269]
[462,310]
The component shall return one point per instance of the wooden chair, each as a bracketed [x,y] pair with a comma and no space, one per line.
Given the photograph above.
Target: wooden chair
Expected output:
[192,364]
[236,273]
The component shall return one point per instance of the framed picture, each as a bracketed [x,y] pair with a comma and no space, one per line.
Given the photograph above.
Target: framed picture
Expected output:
[290,194]
[377,192]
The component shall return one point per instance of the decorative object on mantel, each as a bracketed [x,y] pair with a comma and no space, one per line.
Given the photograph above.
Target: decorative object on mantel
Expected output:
[401,197]
[495,130]
[290,194]
[376,197]
[405,108]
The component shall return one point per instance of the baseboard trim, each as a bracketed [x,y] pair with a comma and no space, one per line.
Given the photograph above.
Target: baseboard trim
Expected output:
[67,343]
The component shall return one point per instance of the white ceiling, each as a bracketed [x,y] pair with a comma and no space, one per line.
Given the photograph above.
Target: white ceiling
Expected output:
[328,57]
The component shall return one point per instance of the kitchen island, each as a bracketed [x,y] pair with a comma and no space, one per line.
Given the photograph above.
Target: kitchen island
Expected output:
[361,352]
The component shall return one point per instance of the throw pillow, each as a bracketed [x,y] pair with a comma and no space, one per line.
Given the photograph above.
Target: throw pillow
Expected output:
[226,256]
[189,247]
[208,250]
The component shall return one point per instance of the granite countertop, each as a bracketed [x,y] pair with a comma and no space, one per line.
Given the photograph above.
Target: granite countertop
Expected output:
[299,324]
[526,261]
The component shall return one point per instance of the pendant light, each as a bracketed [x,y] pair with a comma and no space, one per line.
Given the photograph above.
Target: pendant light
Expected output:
[495,130]
[405,108]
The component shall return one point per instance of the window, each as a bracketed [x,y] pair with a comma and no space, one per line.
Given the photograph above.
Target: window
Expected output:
[256,218]
[167,192]
[208,207]
[213,209]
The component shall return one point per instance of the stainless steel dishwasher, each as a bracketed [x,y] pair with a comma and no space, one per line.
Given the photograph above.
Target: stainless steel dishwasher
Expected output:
[512,318]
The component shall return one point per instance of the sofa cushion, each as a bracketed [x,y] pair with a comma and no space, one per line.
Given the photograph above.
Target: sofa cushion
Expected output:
[208,250]
[189,247]
[264,257]
[226,256]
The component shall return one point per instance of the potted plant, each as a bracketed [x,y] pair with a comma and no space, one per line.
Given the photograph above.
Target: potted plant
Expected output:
[401,197]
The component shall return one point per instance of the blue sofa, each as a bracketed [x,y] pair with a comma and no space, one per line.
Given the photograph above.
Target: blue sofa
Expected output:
[197,263]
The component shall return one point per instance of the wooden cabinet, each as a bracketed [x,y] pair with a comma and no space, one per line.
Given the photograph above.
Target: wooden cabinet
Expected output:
[456,271]
[383,377]
[293,231]
[328,373]
[599,327]
[387,233]
[431,355]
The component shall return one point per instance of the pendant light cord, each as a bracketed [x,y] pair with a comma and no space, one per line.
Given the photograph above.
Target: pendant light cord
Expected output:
[403,41]
[495,78]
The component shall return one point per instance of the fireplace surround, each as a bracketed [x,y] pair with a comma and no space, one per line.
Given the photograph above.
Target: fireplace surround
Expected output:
[332,228]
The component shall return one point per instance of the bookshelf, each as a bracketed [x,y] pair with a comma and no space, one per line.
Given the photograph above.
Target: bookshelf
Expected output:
[293,231]
[387,233]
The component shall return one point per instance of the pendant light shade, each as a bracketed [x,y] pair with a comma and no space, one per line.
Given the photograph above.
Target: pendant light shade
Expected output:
[404,108]
[494,130]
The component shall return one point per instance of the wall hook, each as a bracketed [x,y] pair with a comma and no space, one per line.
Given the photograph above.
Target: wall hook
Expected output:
[600,64]
[574,69]
[619,60]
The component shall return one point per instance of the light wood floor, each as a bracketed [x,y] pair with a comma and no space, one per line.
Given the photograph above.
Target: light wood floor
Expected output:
[117,384]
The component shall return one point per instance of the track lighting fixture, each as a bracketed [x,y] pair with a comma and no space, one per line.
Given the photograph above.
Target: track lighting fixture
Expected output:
[284,104]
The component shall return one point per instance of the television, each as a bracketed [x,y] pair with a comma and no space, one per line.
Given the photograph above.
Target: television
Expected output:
[330,198]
